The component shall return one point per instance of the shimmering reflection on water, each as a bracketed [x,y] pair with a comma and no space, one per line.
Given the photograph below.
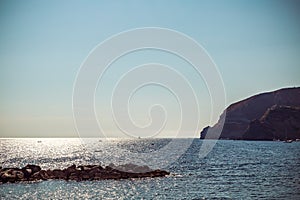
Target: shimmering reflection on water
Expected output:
[233,170]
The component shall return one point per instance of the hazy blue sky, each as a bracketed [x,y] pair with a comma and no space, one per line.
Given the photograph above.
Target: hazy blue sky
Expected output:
[255,44]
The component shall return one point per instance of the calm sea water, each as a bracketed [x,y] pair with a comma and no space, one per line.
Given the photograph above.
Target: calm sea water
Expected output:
[232,170]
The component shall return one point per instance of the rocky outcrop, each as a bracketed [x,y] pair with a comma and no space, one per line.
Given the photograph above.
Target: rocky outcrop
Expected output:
[246,119]
[278,123]
[78,173]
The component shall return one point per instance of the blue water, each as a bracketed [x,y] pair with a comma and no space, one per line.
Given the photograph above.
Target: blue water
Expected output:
[232,170]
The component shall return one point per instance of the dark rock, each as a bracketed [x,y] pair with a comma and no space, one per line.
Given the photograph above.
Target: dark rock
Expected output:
[29,170]
[203,133]
[33,168]
[69,170]
[84,175]
[44,175]
[19,175]
[11,175]
[98,176]
[36,176]
[50,174]
[72,167]
[94,170]
[243,120]
[59,174]
[278,123]
[75,176]
[85,172]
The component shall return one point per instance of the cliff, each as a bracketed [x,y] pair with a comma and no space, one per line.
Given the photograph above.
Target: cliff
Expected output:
[266,116]
[278,123]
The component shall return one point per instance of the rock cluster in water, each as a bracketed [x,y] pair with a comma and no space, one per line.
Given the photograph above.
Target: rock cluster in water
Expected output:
[78,173]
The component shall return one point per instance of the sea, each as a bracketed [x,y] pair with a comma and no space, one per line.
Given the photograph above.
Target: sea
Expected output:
[230,170]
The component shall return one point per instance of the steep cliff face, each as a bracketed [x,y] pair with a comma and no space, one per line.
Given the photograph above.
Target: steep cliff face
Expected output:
[249,111]
[278,123]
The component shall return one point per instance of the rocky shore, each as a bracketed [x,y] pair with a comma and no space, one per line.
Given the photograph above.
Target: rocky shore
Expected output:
[78,173]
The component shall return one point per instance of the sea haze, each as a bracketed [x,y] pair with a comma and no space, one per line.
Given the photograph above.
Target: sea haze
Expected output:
[233,169]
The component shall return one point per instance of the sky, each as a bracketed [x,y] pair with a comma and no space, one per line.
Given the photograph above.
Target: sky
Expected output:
[255,45]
